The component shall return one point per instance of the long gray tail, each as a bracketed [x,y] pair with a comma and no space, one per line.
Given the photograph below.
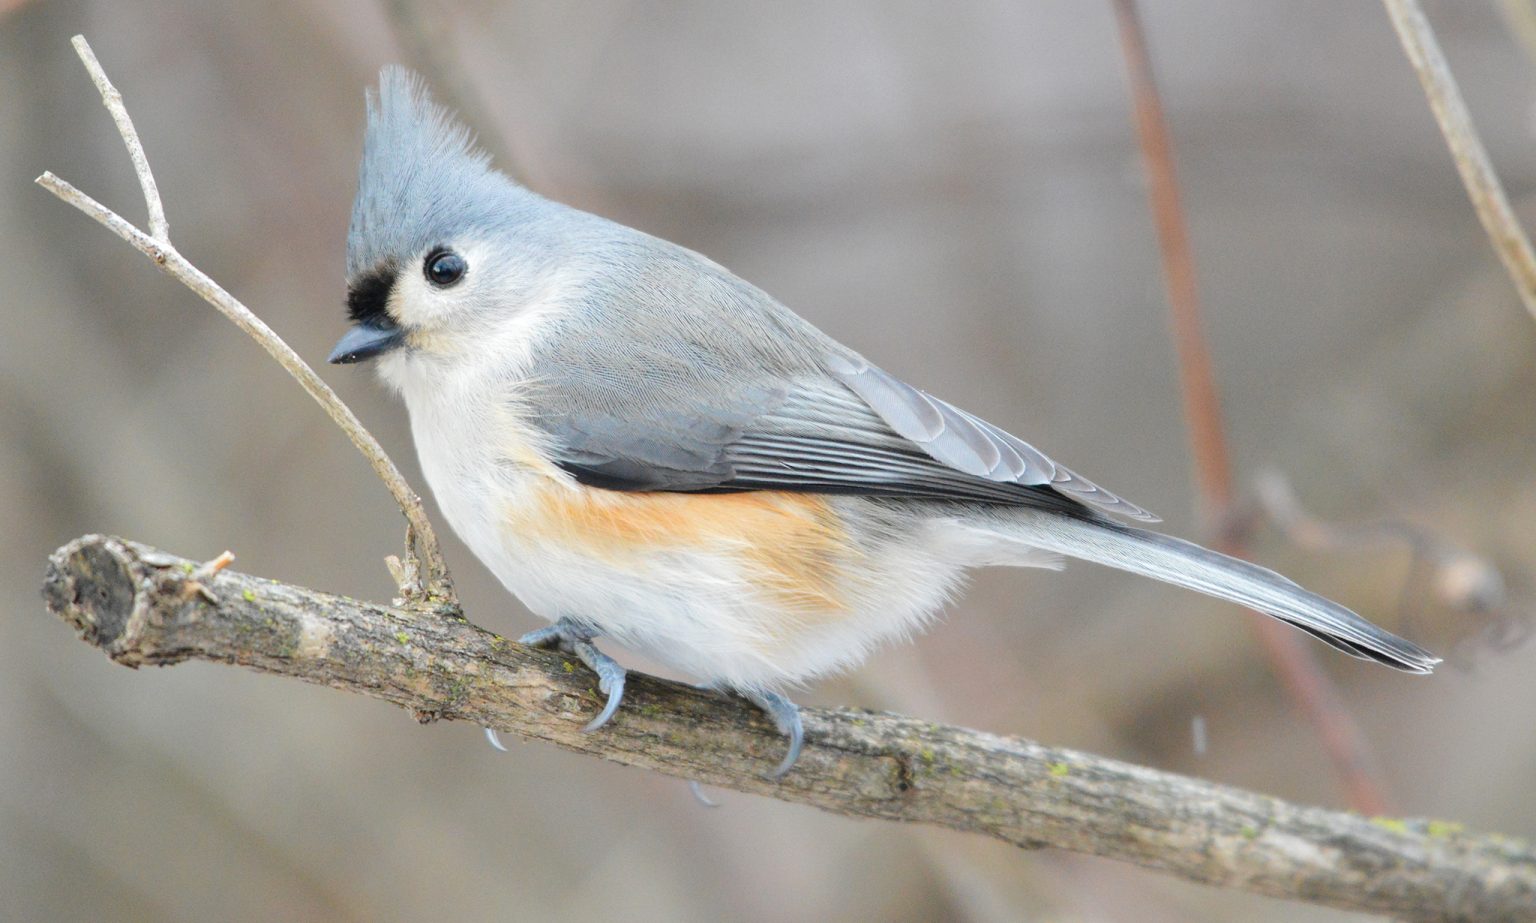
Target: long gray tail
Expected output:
[1188,565]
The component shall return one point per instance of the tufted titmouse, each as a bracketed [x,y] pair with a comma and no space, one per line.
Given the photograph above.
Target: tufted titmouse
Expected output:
[643,446]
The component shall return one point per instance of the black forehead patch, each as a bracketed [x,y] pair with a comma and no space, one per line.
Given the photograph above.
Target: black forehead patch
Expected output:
[368,294]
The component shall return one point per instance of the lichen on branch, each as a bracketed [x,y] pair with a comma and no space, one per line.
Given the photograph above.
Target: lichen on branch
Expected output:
[144,607]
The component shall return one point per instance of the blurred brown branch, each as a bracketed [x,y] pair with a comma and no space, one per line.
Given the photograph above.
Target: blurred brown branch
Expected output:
[145,607]
[437,586]
[1477,174]
[1197,379]
[1309,687]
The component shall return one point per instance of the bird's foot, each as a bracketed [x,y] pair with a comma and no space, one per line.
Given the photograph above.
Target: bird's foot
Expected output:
[786,715]
[574,637]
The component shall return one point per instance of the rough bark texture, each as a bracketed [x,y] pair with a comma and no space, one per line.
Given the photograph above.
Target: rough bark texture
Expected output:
[145,607]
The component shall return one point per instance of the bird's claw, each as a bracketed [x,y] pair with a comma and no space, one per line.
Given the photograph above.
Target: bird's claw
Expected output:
[575,638]
[610,680]
[786,716]
[699,796]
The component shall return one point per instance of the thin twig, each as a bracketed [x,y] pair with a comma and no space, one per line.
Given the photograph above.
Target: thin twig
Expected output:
[1305,681]
[113,100]
[1483,186]
[438,588]
[1197,380]
[131,602]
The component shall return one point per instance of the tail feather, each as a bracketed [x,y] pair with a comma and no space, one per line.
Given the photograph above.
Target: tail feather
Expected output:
[1188,565]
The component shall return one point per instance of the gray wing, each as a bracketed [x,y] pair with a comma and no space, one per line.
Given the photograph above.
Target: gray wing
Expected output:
[968,443]
[847,427]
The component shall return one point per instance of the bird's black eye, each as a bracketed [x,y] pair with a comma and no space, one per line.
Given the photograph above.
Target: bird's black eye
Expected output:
[444,268]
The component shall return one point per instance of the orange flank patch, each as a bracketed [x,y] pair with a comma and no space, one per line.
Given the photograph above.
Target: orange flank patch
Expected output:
[791,545]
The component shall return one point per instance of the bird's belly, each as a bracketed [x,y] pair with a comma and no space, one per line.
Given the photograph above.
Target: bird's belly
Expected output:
[748,590]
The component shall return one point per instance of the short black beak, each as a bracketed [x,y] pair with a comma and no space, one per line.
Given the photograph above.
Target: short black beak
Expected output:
[365,341]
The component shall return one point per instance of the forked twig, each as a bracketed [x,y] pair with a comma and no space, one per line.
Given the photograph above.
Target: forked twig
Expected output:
[1483,186]
[1295,664]
[436,585]
[113,100]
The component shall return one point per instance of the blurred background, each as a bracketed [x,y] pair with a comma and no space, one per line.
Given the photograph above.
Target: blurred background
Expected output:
[954,190]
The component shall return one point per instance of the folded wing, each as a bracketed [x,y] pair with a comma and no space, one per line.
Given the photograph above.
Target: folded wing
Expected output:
[847,428]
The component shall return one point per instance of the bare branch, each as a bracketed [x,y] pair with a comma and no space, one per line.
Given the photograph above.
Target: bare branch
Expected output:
[113,100]
[1202,402]
[1292,661]
[133,603]
[438,585]
[1483,186]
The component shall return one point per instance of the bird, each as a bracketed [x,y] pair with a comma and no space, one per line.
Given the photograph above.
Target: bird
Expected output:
[643,447]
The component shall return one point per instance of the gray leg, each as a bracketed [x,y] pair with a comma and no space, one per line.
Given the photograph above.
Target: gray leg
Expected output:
[575,637]
[786,715]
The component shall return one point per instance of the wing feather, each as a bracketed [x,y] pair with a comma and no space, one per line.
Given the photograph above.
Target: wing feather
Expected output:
[853,429]
[968,443]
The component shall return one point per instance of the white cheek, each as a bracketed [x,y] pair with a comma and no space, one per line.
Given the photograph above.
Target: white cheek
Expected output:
[495,314]
[422,305]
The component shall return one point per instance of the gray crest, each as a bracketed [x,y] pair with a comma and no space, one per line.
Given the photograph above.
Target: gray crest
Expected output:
[422,179]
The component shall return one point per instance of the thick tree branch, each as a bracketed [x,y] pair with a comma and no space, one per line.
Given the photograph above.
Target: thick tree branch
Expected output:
[145,607]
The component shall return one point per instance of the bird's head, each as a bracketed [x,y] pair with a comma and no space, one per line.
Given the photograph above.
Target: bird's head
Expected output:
[442,247]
